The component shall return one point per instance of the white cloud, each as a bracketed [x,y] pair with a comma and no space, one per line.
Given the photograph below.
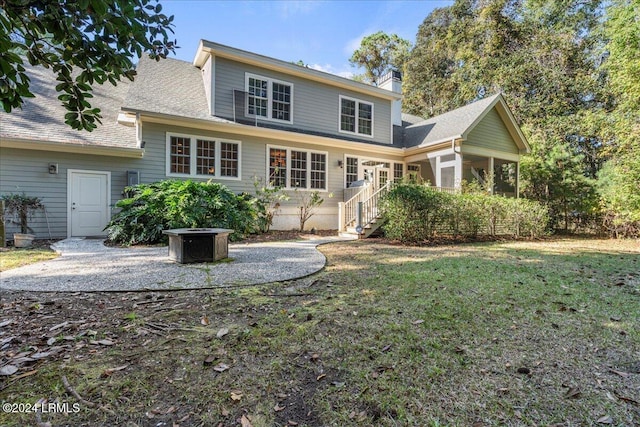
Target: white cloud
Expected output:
[293,8]
[327,68]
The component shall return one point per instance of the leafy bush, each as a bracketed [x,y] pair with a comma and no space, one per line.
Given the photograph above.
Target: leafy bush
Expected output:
[152,208]
[415,213]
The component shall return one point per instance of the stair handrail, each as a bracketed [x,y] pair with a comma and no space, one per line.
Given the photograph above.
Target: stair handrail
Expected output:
[351,205]
[370,209]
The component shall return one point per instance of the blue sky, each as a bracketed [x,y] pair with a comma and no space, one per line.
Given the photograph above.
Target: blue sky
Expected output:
[323,34]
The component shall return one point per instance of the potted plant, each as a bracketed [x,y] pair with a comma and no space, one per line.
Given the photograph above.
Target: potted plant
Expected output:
[22,208]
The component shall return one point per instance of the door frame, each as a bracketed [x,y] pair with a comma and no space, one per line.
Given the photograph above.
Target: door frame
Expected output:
[70,173]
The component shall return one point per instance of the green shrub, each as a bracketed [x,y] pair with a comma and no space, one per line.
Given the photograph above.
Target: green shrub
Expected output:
[415,213]
[152,208]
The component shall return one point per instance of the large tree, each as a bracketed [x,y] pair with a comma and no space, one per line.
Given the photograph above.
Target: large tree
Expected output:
[84,42]
[619,179]
[379,53]
[543,55]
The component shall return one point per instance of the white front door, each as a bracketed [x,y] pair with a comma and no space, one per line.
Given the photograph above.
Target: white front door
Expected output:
[88,202]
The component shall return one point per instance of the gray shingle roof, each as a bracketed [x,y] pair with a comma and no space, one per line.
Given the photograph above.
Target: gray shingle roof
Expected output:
[169,86]
[42,118]
[446,126]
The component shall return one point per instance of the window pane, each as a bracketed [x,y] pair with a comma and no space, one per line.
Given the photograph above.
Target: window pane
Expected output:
[348,115]
[278,167]
[397,172]
[257,99]
[352,171]
[298,169]
[180,155]
[229,159]
[318,171]
[206,157]
[281,106]
[364,118]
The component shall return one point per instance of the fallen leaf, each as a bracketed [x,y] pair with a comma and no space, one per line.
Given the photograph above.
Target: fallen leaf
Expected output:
[101,342]
[225,412]
[210,359]
[222,332]
[321,376]
[50,341]
[8,370]
[573,393]
[245,422]
[605,420]
[204,321]
[292,423]
[108,372]
[417,322]
[278,408]
[221,367]
[236,395]
[622,374]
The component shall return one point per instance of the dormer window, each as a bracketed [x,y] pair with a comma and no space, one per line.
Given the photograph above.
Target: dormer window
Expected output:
[269,98]
[356,116]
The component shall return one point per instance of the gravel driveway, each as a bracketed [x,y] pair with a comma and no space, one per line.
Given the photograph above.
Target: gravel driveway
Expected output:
[86,265]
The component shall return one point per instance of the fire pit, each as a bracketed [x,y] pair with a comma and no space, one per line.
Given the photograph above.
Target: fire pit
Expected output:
[187,245]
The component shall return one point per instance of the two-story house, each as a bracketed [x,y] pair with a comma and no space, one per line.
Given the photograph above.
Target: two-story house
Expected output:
[234,116]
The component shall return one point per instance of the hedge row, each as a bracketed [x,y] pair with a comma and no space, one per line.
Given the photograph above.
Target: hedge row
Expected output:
[415,213]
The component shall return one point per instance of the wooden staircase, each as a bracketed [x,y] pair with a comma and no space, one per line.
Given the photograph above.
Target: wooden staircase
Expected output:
[361,215]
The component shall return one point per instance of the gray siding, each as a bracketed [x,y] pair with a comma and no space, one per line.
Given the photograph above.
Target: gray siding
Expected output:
[254,159]
[27,171]
[315,106]
[492,133]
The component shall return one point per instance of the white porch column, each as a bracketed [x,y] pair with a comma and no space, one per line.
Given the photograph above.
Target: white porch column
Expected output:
[491,174]
[341,226]
[457,181]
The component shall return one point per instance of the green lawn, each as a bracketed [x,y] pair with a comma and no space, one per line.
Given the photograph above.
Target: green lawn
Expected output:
[515,334]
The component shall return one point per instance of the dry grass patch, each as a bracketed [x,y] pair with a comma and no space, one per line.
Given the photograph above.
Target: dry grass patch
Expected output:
[18,257]
[518,333]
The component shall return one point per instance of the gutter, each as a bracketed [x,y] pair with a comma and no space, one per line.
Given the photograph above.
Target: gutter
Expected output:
[65,147]
[261,132]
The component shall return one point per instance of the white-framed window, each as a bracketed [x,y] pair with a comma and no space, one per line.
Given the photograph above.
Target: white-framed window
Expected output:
[199,156]
[295,168]
[398,172]
[351,171]
[269,98]
[356,116]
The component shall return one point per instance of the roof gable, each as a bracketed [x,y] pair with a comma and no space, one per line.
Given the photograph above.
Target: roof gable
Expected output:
[459,123]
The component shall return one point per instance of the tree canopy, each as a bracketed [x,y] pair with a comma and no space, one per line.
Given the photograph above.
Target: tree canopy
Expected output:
[570,71]
[84,42]
[379,53]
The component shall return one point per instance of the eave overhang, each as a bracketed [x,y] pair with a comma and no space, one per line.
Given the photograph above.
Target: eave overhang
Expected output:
[207,48]
[66,147]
